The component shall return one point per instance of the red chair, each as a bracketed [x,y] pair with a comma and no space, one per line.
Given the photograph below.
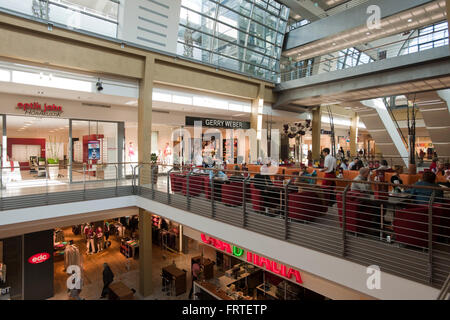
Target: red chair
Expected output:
[207,187]
[411,225]
[176,183]
[232,194]
[305,206]
[257,199]
[196,185]
[355,218]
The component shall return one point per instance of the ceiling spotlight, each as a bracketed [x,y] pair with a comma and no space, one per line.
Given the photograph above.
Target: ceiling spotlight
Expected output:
[334,43]
[409,20]
[99,85]
[368,33]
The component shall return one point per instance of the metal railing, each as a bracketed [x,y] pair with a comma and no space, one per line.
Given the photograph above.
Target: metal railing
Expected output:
[404,229]
[405,233]
[341,60]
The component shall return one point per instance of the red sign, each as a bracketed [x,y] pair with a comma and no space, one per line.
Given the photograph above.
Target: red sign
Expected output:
[269,265]
[36,107]
[39,258]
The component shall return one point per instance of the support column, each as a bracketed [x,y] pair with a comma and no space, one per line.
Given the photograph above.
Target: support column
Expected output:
[256,120]
[145,253]
[354,135]
[144,151]
[145,120]
[316,127]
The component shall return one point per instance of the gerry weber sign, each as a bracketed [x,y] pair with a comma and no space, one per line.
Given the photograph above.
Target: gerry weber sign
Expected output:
[36,109]
[217,123]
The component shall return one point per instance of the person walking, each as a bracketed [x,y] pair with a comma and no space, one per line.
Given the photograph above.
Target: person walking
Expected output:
[108,278]
[195,273]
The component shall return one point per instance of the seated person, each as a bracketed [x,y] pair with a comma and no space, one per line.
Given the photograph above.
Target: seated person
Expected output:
[422,196]
[216,173]
[384,166]
[362,176]
[440,170]
[344,164]
[395,179]
[237,175]
[353,164]
[447,179]
[263,183]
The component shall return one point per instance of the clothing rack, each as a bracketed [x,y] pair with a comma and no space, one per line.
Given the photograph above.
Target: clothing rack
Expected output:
[58,236]
[72,256]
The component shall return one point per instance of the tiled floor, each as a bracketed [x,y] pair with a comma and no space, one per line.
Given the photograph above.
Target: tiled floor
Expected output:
[93,266]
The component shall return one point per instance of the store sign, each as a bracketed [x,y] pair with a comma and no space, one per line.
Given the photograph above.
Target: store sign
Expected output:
[253,258]
[36,109]
[218,123]
[94,150]
[39,258]
[325,132]
[4,291]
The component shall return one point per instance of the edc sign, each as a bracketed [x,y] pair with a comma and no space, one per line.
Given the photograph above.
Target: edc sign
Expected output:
[39,258]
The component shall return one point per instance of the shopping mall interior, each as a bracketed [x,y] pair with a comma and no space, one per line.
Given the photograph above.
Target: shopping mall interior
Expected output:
[224,150]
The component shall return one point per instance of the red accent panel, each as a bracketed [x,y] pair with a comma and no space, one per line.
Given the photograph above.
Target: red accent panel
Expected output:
[26,141]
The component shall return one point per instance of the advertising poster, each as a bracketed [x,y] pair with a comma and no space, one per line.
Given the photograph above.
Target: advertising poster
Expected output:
[94,150]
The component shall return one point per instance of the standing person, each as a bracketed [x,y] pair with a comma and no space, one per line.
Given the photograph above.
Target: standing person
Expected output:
[108,278]
[99,236]
[75,293]
[433,165]
[90,236]
[329,167]
[195,273]
[106,230]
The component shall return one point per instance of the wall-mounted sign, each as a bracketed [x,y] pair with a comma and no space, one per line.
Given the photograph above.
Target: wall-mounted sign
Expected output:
[94,150]
[36,109]
[218,123]
[39,258]
[4,291]
[253,258]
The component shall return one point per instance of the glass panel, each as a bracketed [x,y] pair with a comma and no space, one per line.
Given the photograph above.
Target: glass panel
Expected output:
[36,154]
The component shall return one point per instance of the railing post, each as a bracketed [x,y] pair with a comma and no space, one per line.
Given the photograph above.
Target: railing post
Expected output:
[1,184]
[46,182]
[344,219]
[213,208]
[244,201]
[169,199]
[117,178]
[430,237]
[286,209]
[188,193]
[84,181]
[151,181]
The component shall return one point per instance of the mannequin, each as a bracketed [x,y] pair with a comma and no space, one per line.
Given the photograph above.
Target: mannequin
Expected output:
[99,236]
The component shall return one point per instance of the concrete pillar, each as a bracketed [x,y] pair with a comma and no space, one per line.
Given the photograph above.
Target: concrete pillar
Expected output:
[145,253]
[145,120]
[256,122]
[316,127]
[144,151]
[354,135]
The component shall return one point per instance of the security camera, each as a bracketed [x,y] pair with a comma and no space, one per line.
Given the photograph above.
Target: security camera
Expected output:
[99,85]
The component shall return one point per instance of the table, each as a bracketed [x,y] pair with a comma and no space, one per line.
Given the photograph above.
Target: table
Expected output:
[392,200]
[119,291]
[271,292]
[177,276]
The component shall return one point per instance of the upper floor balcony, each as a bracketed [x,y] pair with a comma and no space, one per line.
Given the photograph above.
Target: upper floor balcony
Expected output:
[403,228]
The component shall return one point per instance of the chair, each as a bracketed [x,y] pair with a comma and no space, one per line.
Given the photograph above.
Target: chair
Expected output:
[232,193]
[175,182]
[257,199]
[355,219]
[196,185]
[305,206]
[411,225]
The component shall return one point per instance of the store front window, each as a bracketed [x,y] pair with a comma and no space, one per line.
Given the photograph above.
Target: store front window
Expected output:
[95,150]
[36,149]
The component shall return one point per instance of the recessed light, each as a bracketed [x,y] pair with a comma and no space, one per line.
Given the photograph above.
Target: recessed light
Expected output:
[334,43]
[368,33]
[409,20]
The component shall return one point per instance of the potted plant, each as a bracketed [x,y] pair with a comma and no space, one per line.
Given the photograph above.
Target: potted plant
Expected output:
[153,160]
[53,161]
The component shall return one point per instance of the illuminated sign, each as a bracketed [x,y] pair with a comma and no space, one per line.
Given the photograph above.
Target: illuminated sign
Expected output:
[39,258]
[253,258]
[36,109]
